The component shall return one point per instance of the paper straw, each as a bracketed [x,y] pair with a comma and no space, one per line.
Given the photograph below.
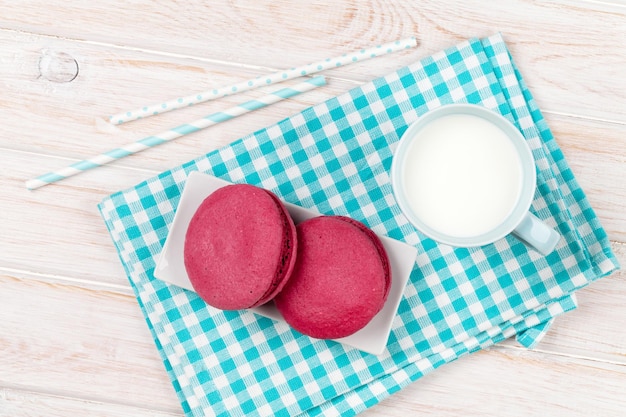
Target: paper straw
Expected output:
[174,133]
[276,77]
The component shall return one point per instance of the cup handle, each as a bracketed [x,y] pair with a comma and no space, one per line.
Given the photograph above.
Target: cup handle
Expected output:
[536,234]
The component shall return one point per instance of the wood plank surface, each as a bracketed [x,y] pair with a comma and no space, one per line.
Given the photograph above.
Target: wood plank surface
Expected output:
[546,37]
[27,403]
[72,337]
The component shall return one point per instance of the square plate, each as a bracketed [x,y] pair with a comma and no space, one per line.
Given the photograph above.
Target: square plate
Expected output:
[171,267]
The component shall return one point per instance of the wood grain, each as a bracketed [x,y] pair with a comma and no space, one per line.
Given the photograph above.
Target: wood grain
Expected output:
[104,344]
[72,338]
[29,404]
[244,33]
[71,119]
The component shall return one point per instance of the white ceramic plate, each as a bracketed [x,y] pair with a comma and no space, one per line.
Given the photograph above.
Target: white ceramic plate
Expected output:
[171,268]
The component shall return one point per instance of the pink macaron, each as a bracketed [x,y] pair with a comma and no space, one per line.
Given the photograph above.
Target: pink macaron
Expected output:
[340,281]
[240,247]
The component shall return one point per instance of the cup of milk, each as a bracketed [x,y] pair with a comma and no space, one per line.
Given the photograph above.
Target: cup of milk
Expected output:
[464,176]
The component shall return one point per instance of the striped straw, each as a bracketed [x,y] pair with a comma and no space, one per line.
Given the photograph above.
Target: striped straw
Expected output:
[276,77]
[174,133]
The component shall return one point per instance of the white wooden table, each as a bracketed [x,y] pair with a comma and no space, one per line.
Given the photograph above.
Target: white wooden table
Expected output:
[72,338]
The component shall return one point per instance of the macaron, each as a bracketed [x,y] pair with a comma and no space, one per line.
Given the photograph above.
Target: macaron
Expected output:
[240,247]
[341,279]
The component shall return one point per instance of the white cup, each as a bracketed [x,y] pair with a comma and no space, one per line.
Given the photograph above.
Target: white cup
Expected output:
[463,175]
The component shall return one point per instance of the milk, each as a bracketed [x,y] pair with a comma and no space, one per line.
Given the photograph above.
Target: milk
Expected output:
[462,176]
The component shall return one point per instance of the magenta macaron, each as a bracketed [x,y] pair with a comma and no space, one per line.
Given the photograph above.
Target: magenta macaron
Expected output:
[341,279]
[240,247]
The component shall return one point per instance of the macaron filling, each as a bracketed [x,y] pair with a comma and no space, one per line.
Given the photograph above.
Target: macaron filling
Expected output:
[288,256]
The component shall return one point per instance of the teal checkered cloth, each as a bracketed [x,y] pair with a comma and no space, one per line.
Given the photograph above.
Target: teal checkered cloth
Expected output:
[335,158]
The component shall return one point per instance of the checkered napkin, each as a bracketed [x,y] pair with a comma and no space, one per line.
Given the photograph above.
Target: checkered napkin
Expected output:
[335,158]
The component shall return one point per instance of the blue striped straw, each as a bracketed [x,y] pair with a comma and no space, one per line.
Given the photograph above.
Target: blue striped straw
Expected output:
[277,77]
[174,133]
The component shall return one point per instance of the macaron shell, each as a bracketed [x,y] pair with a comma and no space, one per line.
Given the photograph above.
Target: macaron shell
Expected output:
[379,247]
[237,245]
[338,283]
